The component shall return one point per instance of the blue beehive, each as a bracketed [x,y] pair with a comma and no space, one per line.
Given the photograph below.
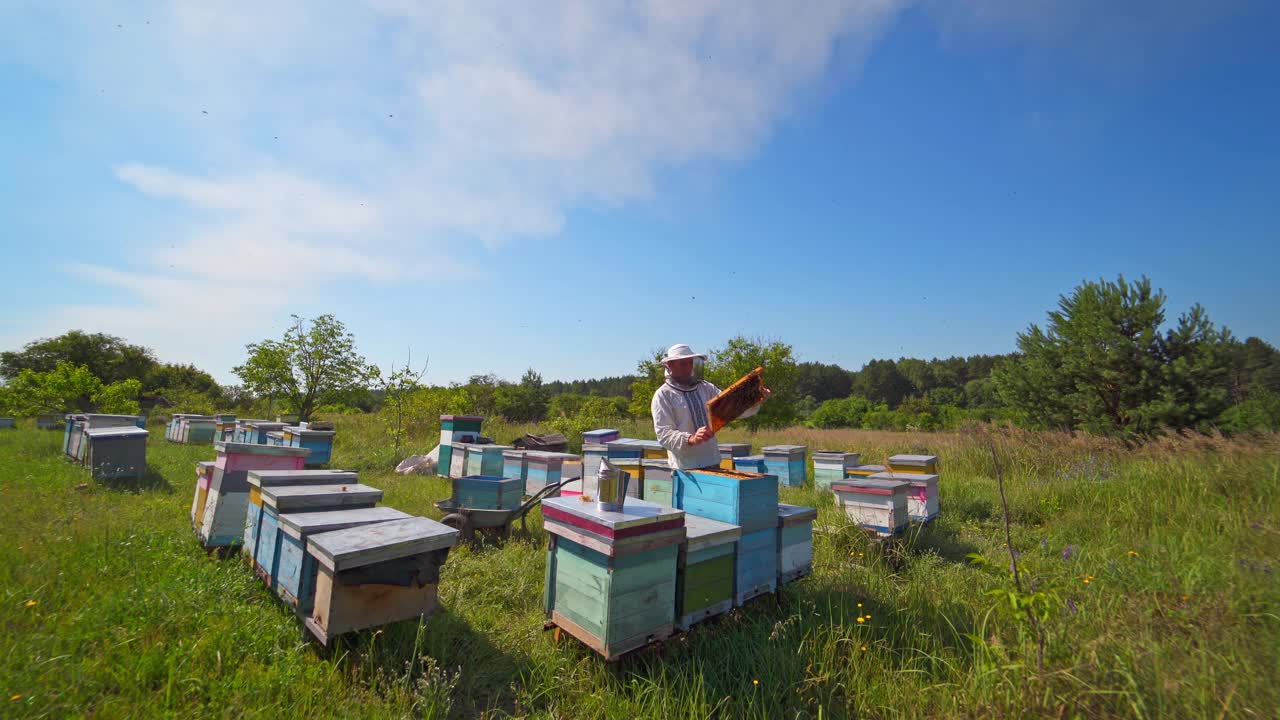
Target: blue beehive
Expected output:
[832,466]
[756,572]
[256,431]
[749,463]
[795,542]
[296,570]
[787,463]
[599,437]
[319,442]
[542,469]
[515,465]
[748,500]
[259,479]
[485,460]
[298,499]
[494,492]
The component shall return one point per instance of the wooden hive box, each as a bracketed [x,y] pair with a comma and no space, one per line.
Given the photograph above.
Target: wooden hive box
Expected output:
[69,424]
[172,431]
[458,459]
[49,422]
[659,483]
[625,448]
[204,475]
[319,442]
[591,456]
[295,569]
[224,431]
[749,500]
[101,420]
[488,492]
[922,495]
[795,542]
[600,437]
[116,452]
[515,465]
[704,581]
[223,518]
[730,451]
[832,466]
[199,431]
[455,429]
[862,472]
[749,463]
[8,423]
[876,505]
[282,499]
[611,576]
[925,464]
[787,462]
[542,469]
[651,450]
[256,431]
[634,468]
[485,460]
[259,479]
[275,438]
[756,564]
[243,431]
[376,574]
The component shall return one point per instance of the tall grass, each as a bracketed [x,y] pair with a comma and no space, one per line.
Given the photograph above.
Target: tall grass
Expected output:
[110,609]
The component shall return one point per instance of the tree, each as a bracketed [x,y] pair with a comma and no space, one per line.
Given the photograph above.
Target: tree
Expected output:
[315,364]
[167,378]
[822,382]
[650,374]
[396,389]
[108,358]
[880,382]
[1104,365]
[843,413]
[739,356]
[67,388]
[1255,368]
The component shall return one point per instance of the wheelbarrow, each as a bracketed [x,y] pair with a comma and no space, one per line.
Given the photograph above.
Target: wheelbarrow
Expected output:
[491,522]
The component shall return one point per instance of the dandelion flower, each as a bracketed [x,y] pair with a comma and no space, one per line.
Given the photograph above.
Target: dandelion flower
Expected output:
[15,697]
[1133,553]
[861,619]
[868,616]
[31,603]
[864,648]
[1186,597]
[755,681]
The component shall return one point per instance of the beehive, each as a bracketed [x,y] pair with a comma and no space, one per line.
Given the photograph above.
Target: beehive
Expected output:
[925,464]
[221,521]
[225,430]
[515,465]
[611,576]
[485,460]
[299,499]
[204,475]
[376,574]
[730,451]
[862,472]
[749,500]
[49,422]
[275,438]
[457,459]
[76,444]
[198,430]
[876,505]
[634,468]
[756,565]
[243,431]
[787,463]
[319,442]
[651,450]
[455,429]
[704,580]
[488,492]
[599,437]
[625,449]
[749,463]
[116,452]
[591,456]
[922,494]
[8,423]
[255,431]
[832,466]
[542,469]
[659,483]
[795,542]
[172,431]
[259,479]
[295,569]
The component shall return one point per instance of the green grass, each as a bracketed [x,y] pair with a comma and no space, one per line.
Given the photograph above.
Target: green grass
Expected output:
[131,619]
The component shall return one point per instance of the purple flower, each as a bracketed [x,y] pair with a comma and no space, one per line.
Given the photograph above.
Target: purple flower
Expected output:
[1072,604]
[1070,550]
[1044,543]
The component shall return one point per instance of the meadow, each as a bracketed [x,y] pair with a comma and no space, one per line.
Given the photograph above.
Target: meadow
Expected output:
[1155,572]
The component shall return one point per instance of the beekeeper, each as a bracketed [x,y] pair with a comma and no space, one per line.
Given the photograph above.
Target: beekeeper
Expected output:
[679,411]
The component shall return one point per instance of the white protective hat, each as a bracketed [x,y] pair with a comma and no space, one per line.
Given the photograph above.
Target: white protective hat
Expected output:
[680,352]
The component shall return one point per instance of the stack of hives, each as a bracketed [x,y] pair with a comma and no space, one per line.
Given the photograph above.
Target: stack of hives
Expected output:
[111,446]
[191,429]
[318,539]
[884,499]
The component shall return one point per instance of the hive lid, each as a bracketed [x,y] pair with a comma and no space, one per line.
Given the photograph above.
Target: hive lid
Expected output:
[905,477]
[299,430]
[355,547]
[491,446]
[298,497]
[298,524]
[266,424]
[114,432]
[606,431]
[461,418]
[277,478]
[913,459]
[831,454]
[656,463]
[634,513]
[783,448]
[254,449]
[872,487]
[869,468]
[790,514]
[734,446]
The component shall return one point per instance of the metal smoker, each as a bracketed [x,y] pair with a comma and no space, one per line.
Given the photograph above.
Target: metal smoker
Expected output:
[611,487]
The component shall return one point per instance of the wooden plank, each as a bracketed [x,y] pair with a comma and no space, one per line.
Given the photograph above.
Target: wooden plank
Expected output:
[635,512]
[300,525]
[343,608]
[301,498]
[355,547]
[276,478]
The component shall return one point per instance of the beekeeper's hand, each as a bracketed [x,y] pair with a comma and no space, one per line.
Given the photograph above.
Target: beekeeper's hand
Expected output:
[702,435]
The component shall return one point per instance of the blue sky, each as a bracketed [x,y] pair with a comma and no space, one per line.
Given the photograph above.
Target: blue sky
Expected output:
[572,185]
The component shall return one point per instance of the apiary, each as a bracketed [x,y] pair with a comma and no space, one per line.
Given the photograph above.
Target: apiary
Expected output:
[705,577]
[282,499]
[876,505]
[611,576]
[922,494]
[259,479]
[787,463]
[795,542]
[295,570]
[222,521]
[376,574]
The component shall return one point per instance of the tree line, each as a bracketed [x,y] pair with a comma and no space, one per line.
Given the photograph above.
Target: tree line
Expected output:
[1108,360]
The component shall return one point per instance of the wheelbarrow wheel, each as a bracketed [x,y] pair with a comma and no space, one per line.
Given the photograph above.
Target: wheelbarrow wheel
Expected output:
[458,522]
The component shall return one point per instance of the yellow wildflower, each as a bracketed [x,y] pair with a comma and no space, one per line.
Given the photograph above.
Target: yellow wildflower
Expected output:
[859,604]
[755,682]
[864,648]
[1133,553]
[31,603]
[16,697]
[868,616]
[861,619]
